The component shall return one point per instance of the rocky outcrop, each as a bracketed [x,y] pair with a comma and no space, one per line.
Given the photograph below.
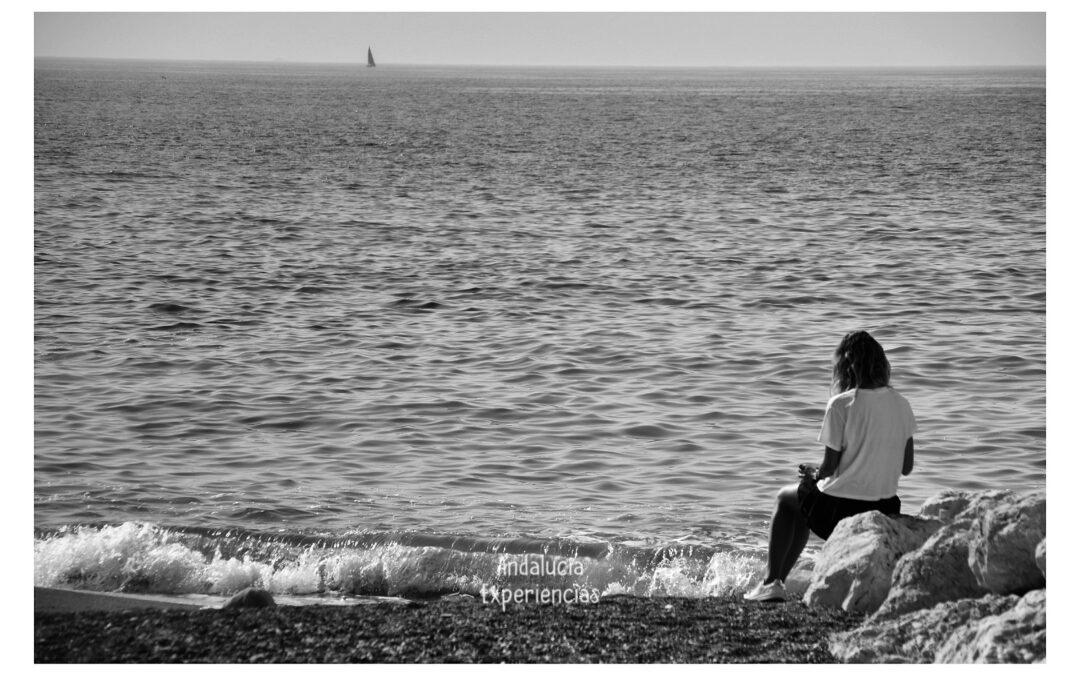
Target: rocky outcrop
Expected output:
[955,595]
[1002,552]
[989,546]
[854,568]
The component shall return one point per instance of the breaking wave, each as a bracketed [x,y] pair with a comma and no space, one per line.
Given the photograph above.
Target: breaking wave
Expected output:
[146,558]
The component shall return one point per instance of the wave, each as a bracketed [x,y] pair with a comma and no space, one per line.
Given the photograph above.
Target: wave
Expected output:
[147,558]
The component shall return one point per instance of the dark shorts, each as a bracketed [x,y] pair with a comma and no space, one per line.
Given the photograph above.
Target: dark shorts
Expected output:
[823,511]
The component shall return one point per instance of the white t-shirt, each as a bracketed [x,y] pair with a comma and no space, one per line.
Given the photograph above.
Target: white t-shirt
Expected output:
[869,427]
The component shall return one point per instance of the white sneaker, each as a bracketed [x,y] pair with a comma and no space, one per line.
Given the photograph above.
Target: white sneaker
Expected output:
[773,592]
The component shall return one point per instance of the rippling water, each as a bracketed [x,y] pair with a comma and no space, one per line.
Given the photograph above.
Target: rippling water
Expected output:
[434,313]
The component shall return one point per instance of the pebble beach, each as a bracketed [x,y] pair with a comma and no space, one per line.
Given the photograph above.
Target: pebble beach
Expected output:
[73,628]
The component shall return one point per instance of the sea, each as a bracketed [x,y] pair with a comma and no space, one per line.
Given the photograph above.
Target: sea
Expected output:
[343,332]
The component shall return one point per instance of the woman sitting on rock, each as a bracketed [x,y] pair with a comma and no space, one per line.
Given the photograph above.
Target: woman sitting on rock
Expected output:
[867,433]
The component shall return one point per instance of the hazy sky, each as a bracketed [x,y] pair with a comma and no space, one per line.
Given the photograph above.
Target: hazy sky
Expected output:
[604,39]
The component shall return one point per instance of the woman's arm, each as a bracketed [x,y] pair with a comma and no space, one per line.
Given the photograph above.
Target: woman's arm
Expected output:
[909,457]
[829,464]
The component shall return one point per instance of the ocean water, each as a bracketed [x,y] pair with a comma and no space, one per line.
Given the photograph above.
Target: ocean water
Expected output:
[384,331]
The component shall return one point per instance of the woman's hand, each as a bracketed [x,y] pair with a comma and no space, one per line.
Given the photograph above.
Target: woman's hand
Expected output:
[808,473]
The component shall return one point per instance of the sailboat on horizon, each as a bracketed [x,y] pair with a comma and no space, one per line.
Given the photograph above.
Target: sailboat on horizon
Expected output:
[370,59]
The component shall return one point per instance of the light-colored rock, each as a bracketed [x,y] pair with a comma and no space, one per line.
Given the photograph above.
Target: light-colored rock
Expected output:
[1015,636]
[1002,554]
[935,572]
[963,505]
[918,636]
[952,584]
[855,566]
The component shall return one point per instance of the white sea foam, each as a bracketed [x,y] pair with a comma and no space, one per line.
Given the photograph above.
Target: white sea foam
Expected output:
[132,556]
[145,558]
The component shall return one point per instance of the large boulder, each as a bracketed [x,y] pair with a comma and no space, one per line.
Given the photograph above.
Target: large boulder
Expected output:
[935,572]
[916,637]
[1040,557]
[1015,636]
[855,566]
[1002,553]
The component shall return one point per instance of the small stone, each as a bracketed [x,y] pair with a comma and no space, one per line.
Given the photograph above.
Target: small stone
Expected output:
[250,598]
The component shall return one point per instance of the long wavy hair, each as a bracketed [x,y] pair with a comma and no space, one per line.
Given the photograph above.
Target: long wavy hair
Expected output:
[859,363]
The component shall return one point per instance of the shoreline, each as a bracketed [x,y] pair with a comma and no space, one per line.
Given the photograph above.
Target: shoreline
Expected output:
[83,627]
[65,601]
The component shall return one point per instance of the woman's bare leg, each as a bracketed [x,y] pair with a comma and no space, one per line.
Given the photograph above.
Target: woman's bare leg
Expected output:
[798,543]
[788,534]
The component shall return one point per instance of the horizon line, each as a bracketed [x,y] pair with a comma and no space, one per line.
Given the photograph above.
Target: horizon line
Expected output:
[159,59]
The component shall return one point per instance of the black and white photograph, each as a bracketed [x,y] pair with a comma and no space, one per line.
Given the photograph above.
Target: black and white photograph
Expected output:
[581,335]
